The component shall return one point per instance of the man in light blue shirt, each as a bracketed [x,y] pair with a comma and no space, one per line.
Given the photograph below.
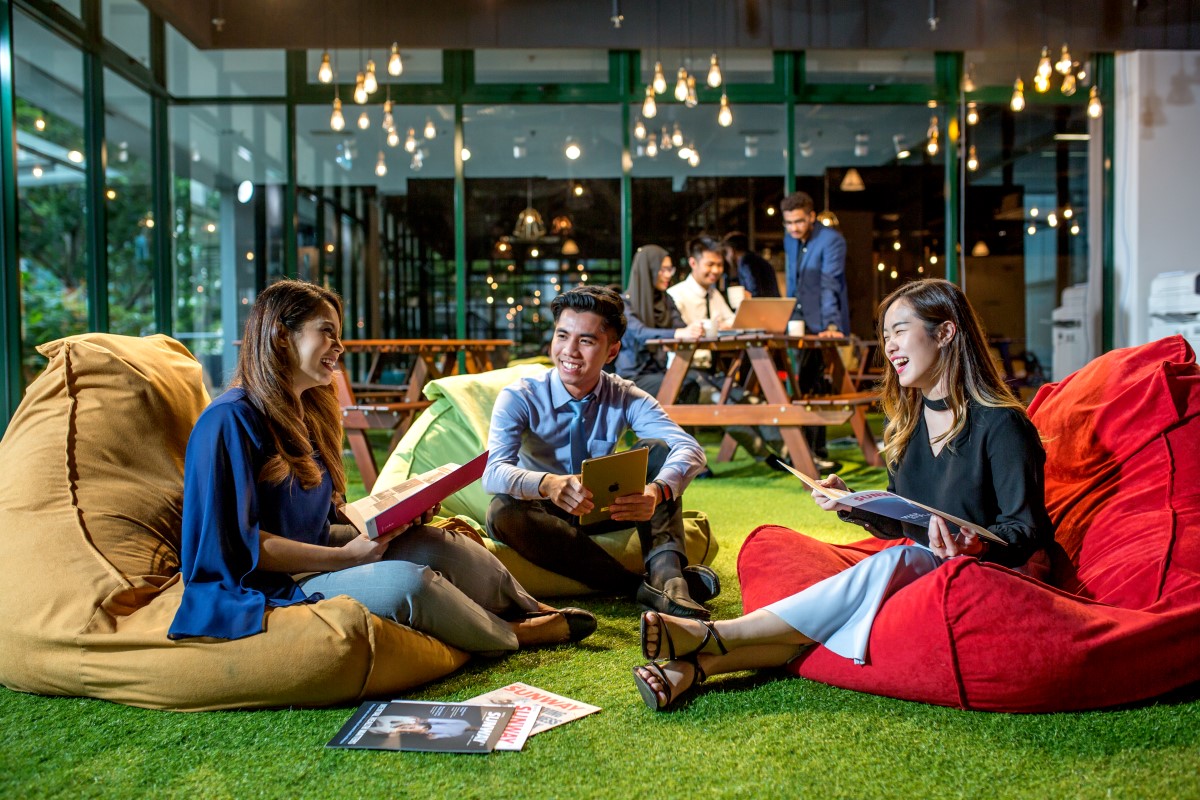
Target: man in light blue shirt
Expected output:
[542,427]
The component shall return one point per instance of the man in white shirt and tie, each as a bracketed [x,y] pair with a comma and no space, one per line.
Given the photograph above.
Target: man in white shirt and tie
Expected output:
[697,297]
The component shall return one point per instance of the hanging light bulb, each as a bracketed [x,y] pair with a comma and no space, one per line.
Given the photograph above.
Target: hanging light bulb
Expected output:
[1068,84]
[40,123]
[381,165]
[677,136]
[931,146]
[649,107]
[395,65]
[681,85]
[1052,219]
[1041,83]
[389,122]
[364,121]
[336,121]
[651,146]
[572,150]
[430,130]
[725,114]
[666,139]
[37,171]
[393,138]
[410,141]
[692,99]
[360,90]
[1094,109]
[1018,96]
[418,161]
[972,159]
[1068,212]
[694,158]
[1064,61]
[1081,74]
[972,114]
[325,71]
[684,152]
[370,82]
[660,80]
[968,80]
[639,130]
[714,72]
[1044,68]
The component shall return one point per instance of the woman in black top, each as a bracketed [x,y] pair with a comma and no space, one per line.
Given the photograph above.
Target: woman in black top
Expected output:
[957,439]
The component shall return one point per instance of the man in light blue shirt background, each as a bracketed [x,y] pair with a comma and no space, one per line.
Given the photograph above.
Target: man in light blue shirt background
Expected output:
[533,469]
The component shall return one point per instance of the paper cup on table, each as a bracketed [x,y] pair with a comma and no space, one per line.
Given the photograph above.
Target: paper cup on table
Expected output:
[795,327]
[710,327]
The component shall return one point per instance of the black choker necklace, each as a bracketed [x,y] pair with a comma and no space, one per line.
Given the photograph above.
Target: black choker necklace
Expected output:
[935,405]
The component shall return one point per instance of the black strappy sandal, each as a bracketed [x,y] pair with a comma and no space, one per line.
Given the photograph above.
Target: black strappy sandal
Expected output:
[665,635]
[650,697]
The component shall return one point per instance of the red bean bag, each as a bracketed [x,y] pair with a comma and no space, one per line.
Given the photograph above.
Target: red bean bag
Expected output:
[1119,620]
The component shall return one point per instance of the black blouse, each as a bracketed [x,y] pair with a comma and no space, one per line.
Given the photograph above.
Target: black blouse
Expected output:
[990,474]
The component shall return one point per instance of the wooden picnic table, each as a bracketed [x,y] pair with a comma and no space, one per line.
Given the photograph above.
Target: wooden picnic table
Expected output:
[368,405]
[779,408]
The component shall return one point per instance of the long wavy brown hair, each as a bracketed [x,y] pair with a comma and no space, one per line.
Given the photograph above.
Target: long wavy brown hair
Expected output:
[965,362]
[301,429]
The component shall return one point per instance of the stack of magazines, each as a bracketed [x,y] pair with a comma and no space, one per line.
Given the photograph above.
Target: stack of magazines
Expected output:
[503,719]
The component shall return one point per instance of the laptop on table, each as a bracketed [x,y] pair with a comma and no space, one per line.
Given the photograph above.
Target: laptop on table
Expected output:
[762,314]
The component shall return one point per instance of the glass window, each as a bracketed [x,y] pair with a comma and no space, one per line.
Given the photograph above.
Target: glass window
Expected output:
[192,72]
[1026,221]
[870,166]
[129,207]
[417,66]
[734,183]
[126,24]
[543,212]
[541,66]
[395,191]
[869,66]
[51,188]
[228,164]
[736,66]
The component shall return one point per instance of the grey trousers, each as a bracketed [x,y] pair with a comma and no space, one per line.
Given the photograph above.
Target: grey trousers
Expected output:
[440,583]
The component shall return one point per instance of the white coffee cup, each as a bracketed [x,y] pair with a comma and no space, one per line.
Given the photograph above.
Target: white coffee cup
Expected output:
[795,327]
[710,327]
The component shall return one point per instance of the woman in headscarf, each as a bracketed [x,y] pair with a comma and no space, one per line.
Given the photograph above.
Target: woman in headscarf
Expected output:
[652,315]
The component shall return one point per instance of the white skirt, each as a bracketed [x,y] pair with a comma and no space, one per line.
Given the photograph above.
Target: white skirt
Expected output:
[839,611]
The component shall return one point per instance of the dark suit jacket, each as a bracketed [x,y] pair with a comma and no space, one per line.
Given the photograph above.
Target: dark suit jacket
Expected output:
[816,277]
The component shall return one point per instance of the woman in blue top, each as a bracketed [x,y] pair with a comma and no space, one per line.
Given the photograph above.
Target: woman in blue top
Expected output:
[263,480]
[957,440]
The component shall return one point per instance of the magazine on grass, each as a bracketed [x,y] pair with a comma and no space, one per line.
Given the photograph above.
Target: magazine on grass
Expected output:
[424,727]
[556,710]
[893,506]
[398,505]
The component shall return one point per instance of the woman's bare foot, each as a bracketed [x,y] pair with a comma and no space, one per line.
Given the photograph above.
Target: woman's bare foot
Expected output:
[668,682]
[664,636]
[549,625]
[548,628]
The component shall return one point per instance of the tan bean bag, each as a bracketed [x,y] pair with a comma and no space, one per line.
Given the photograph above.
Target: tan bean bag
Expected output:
[89,533]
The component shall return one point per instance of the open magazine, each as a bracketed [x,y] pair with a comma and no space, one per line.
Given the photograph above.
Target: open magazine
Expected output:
[427,727]
[555,709]
[398,505]
[893,506]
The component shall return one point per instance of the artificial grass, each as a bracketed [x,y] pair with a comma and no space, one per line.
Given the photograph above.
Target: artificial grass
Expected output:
[765,735]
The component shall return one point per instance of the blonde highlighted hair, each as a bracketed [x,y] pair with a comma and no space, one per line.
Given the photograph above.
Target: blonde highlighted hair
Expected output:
[965,362]
[299,430]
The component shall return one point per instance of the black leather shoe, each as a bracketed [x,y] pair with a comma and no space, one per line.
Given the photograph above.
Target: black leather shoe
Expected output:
[703,583]
[673,599]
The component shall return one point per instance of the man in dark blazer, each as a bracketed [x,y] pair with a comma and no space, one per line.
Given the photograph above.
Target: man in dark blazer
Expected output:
[816,277]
